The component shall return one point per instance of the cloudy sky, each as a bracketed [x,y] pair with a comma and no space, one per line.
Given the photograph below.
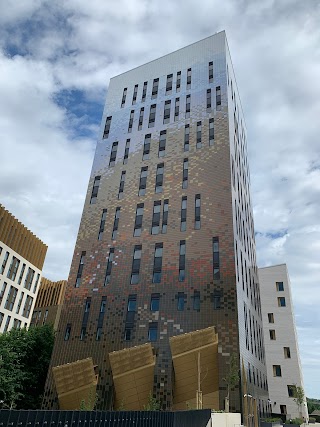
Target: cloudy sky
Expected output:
[56,59]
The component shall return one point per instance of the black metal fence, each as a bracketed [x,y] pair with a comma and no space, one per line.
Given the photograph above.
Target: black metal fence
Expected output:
[15,418]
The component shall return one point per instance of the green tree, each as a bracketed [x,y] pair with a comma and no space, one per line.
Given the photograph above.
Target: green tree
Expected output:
[152,405]
[299,398]
[232,378]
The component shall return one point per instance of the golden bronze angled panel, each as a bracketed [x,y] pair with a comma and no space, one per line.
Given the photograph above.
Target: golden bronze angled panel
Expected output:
[76,384]
[190,352]
[133,375]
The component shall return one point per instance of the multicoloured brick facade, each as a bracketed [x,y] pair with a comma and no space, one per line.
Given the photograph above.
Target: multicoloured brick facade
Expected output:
[220,276]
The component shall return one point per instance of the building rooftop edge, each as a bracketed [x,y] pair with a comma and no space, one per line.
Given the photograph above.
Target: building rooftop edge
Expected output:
[271,266]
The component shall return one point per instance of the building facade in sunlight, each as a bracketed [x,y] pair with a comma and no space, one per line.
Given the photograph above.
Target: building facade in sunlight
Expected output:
[281,344]
[166,242]
[22,256]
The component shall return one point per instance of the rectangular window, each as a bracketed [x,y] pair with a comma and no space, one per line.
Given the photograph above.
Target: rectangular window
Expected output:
[279,286]
[281,302]
[102,223]
[20,303]
[283,409]
[152,115]
[16,323]
[126,152]
[183,224]
[188,102]
[270,318]
[176,109]
[199,141]
[155,302]
[124,96]
[189,78]
[146,147]
[130,121]
[286,351]
[45,317]
[143,181]
[216,300]
[11,298]
[185,173]
[107,278]
[159,178]
[166,112]
[141,118]
[138,221]
[36,283]
[87,305]
[80,269]
[157,263]
[186,137]
[103,304]
[4,262]
[292,390]
[216,258]
[83,333]
[169,84]
[180,305]
[107,127]
[6,326]
[1,318]
[208,99]
[155,225]
[27,306]
[67,332]
[182,261]
[162,143]
[272,334]
[210,72]
[113,154]
[144,91]
[136,264]
[127,334]
[153,332]
[165,212]
[196,300]
[98,333]
[121,185]
[155,88]
[276,371]
[178,84]
[218,96]
[21,274]
[29,278]
[3,289]
[95,189]
[134,96]
[13,268]
[116,224]
[197,211]
[211,131]
[132,303]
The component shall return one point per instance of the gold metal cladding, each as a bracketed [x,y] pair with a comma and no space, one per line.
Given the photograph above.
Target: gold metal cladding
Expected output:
[189,368]
[133,376]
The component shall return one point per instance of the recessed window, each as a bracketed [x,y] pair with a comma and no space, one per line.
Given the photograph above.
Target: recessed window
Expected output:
[216,258]
[109,267]
[270,318]
[182,260]
[113,154]
[146,147]
[134,96]
[197,211]
[83,333]
[218,97]
[189,78]
[178,84]
[124,96]
[144,91]
[107,127]
[136,265]
[169,84]
[188,104]
[186,137]
[143,181]
[196,300]
[155,88]
[153,332]
[98,333]
[67,332]
[165,213]
[155,225]
[216,300]
[176,109]
[141,118]
[166,112]
[208,99]
[210,72]
[277,371]
[126,152]
[102,223]
[183,224]
[157,263]
[211,131]
[80,269]
[138,220]
[162,143]
[127,334]
[272,334]
[121,185]
[279,286]
[152,115]
[185,173]
[199,132]
[103,304]
[116,223]
[95,189]
[13,268]
[283,409]
[159,178]
[180,306]
[132,303]
[286,351]
[292,390]
[281,302]
[155,302]
[130,121]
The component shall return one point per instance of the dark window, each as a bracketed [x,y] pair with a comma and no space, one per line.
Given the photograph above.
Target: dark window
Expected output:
[95,190]
[197,211]
[182,260]
[155,302]
[67,332]
[208,99]
[210,72]
[218,96]
[157,263]
[13,268]
[176,109]
[159,178]
[83,333]
[109,267]
[124,95]
[153,332]
[144,91]
[146,147]
[165,216]
[131,121]
[283,409]
[155,225]
[127,334]
[126,152]
[292,390]
[116,224]
[107,127]
[281,301]
[155,88]
[169,84]
[199,141]
[279,286]
[2,291]
[180,305]
[216,300]
[134,96]
[136,265]
[152,115]
[121,185]
[196,300]
[11,298]
[189,78]
[162,143]
[272,333]
[277,371]
[211,131]
[113,154]
[87,305]
[166,112]
[21,274]
[80,269]
[178,84]
[36,283]
[186,137]
[185,173]
[98,333]
[188,101]
[143,181]
[216,258]
[1,319]
[6,326]
[102,223]
[183,224]
[103,304]
[138,220]
[270,318]
[20,302]
[141,118]
[132,303]
[286,351]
